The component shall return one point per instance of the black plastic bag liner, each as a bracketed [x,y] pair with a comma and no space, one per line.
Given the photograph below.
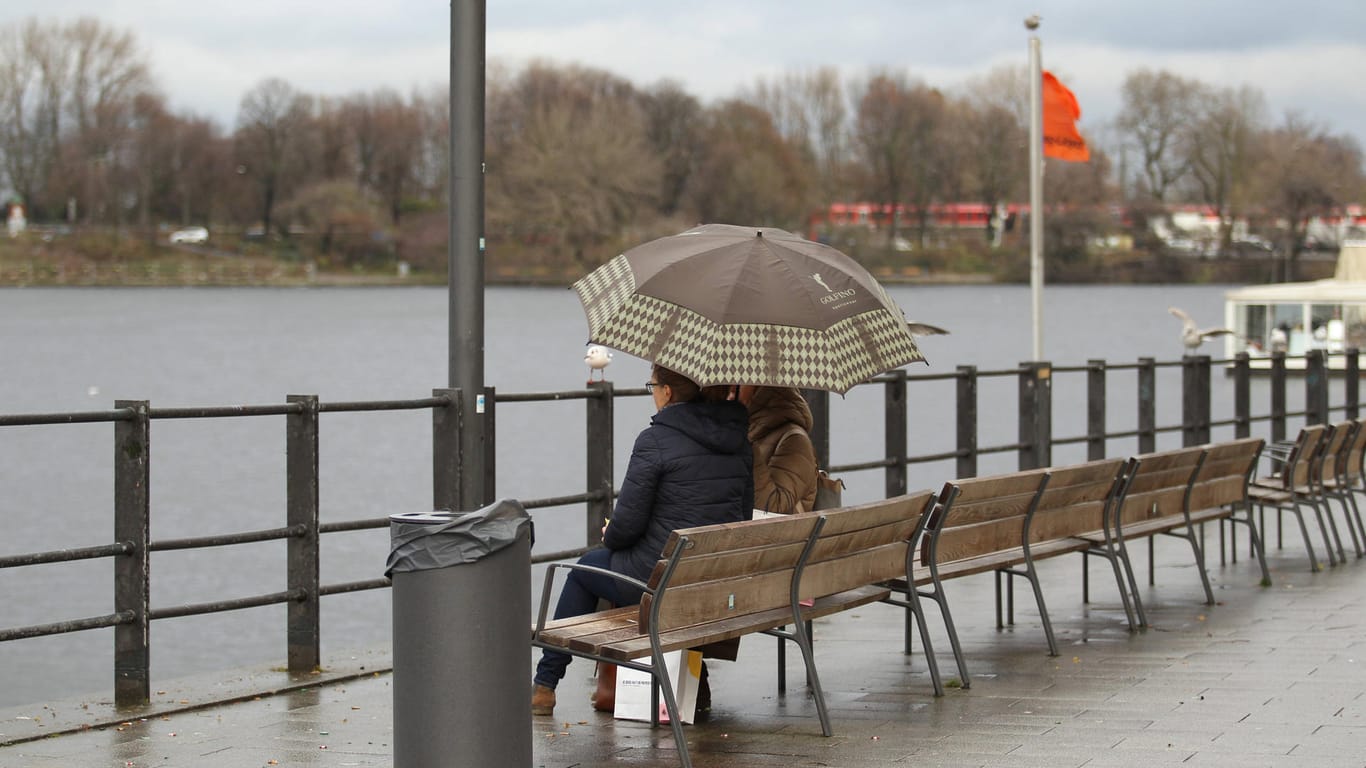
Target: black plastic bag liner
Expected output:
[426,540]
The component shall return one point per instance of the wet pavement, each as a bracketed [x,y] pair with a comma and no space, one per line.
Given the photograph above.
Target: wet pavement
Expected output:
[1272,676]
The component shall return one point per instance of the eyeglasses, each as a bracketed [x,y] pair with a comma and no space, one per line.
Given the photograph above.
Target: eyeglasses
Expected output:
[650,386]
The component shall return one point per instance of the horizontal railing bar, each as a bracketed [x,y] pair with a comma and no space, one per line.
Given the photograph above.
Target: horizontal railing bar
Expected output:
[550,397]
[225,411]
[228,539]
[66,555]
[345,587]
[562,501]
[354,525]
[196,609]
[385,405]
[46,419]
[564,554]
[63,627]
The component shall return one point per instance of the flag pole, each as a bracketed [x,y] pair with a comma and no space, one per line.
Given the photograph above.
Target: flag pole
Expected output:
[1036,185]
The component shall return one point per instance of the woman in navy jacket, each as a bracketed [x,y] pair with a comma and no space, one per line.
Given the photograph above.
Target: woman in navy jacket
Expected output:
[692,466]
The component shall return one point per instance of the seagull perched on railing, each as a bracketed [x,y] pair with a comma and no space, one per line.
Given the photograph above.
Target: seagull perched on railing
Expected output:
[1192,336]
[598,357]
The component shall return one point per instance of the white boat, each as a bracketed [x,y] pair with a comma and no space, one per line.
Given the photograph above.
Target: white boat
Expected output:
[1299,317]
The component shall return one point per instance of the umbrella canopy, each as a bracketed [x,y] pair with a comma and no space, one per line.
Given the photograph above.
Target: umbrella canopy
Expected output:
[724,304]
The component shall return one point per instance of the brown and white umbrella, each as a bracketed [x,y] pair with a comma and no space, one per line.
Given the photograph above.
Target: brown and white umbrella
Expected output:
[724,304]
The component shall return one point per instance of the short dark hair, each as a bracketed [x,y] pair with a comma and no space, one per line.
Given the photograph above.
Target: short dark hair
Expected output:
[683,389]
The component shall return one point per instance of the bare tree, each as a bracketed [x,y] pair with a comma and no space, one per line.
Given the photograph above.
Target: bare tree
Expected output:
[810,111]
[1220,147]
[32,81]
[1157,109]
[569,161]
[107,76]
[272,122]
[673,120]
[1306,172]
[748,173]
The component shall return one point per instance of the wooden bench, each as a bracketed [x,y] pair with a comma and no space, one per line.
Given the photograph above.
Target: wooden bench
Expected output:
[719,582]
[1170,493]
[1004,524]
[1342,481]
[1291,487]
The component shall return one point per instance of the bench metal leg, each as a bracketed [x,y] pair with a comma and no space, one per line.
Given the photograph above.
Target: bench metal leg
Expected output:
[1124,571]
[938,597]
[1328,530]
[914,613]
[1356,517]
[803,640]
[662,684]
[1348,505]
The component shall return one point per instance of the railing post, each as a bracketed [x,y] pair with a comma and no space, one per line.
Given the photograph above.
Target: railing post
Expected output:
[1316,387]
[967,421]
[1195,400]
[446,451]
[1277,396]
[303,627]
[1352,383]
[132,575]
[1036,415]
[819,402]
[1147,405]
[1095,409]
[490,447]
[598,452]
[894,396]
[1242,395]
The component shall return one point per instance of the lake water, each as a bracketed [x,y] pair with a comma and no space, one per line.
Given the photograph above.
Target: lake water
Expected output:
[81,349]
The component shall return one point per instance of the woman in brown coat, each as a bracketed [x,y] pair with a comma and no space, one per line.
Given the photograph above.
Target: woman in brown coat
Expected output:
[784,458]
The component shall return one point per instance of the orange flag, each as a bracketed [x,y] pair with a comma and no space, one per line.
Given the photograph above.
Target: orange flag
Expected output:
[1060,113]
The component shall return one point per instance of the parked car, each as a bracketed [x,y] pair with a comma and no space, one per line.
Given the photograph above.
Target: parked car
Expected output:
[190,235]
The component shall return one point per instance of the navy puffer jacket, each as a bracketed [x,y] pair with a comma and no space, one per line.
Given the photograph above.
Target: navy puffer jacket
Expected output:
[692,466]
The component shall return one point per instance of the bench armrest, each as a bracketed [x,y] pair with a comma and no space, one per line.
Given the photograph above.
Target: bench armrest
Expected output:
[550,582]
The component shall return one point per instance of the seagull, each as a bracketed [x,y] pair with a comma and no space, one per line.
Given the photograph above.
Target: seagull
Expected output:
[1192,336]
[925,329]
[597,357]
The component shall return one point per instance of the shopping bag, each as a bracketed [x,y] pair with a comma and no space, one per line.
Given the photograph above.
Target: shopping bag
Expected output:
[633,688]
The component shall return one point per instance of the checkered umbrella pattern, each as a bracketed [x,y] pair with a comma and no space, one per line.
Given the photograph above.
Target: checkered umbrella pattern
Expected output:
[862,340]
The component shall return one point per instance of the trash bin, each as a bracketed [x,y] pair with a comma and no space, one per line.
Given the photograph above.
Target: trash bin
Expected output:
[462,618]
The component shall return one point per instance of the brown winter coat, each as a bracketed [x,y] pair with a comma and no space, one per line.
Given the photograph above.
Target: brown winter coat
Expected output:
[784,458]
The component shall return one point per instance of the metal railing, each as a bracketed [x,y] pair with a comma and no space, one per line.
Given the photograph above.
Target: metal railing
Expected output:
[302,529]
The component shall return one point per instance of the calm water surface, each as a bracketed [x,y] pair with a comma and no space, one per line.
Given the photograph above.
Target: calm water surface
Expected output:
[82,349]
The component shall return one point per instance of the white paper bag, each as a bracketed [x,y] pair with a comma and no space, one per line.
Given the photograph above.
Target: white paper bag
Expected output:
[633,688]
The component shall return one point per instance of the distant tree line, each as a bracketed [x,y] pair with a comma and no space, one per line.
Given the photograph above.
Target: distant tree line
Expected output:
[581,163]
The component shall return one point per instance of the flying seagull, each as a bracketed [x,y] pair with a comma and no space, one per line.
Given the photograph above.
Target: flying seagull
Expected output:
[597,357]
[1192,336]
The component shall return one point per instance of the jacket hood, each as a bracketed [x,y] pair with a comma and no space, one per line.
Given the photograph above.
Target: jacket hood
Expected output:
[776,407]
[719,426]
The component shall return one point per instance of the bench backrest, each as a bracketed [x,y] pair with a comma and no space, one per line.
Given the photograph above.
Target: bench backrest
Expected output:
[1225,472]
[865,544]
[727,570]
[1296,471]
[1333,451]
[1350,466]
[1156,484]
[980,515]
[1074,499]
[736,569]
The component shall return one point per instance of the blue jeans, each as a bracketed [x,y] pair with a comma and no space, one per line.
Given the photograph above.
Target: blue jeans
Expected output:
[580,595]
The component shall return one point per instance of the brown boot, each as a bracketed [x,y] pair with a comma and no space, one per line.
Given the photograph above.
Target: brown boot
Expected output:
[542,700]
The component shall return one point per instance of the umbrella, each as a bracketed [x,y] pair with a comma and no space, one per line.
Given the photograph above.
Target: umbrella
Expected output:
[724,304]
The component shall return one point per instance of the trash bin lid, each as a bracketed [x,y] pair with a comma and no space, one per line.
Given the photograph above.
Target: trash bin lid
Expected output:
[426,540]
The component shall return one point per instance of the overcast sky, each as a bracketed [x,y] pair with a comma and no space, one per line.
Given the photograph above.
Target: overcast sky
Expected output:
[1306,55]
